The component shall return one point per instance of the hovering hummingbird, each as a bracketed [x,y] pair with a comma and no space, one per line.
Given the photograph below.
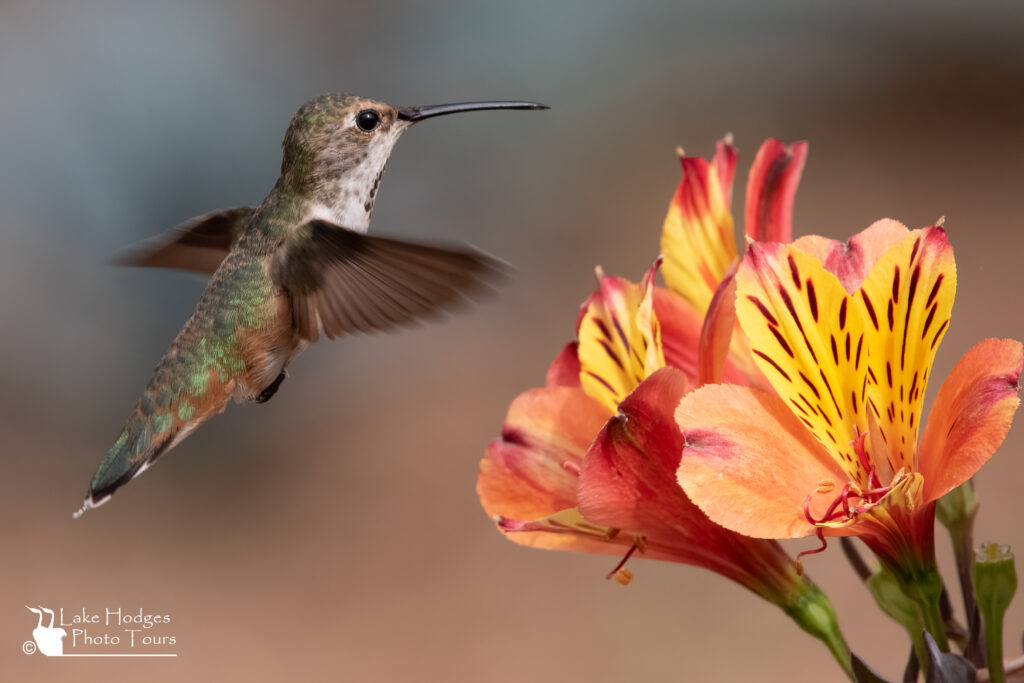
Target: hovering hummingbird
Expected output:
[297,266]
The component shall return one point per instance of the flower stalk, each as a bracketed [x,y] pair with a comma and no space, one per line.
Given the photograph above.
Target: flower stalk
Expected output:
[995,582]
[957,511]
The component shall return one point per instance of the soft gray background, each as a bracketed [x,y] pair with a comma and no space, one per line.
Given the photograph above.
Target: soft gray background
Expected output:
[335,534]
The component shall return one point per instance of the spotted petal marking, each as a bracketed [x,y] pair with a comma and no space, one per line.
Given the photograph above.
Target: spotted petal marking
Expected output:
[906,302]
[808,339]
[620,339]
[697,235]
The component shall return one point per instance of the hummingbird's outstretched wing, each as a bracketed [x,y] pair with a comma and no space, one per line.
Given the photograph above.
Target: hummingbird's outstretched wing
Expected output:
[343,281]
[198,245]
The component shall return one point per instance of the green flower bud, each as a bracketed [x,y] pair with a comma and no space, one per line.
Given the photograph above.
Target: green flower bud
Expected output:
[957,507]
[995,577]
[885,588]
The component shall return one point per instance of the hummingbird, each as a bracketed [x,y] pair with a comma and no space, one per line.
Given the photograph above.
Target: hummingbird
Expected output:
[298,266]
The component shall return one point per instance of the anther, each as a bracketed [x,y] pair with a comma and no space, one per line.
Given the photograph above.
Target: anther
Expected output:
[623,577]
[825,485]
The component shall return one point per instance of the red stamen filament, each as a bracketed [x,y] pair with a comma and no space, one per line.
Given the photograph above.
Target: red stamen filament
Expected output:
[862,456]
[622,563]
[813,551]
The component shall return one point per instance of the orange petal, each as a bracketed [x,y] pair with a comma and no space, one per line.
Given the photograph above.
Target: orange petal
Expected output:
[716,334]
[970,416]
[851,261]
[771,187]
[697,235]
[905,303]
[620,339]
[723,352]
[749,464]
[531,471]
[805,335]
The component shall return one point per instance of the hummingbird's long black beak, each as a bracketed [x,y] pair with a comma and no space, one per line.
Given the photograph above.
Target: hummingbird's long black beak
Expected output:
[425,112]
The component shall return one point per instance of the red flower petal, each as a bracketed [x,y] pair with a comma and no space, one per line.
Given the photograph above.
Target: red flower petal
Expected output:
[565,369]
[628,482]
[771,187]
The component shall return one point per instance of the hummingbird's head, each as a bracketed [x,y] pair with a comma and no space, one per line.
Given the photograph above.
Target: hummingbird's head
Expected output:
[335,151]
[337,146]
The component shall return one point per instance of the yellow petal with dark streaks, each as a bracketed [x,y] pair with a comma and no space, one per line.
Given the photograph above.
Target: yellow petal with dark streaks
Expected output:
[619,338]
[906,301]
[697,235]
[807,338]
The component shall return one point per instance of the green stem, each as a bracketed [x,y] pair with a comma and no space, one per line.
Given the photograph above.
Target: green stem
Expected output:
[994,649]
[920,649]
[925,590]
[995,582]
[935,624]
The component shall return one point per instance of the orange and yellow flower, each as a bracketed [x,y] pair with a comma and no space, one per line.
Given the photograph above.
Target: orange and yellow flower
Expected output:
[846,335]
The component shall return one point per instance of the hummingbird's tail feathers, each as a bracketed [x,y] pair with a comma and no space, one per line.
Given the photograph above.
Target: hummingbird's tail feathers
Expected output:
[127,458]
[150,432]
[343,282]
[198,245]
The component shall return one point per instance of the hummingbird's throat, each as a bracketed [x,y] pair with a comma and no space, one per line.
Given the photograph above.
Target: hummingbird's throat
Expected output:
[347,204]
[347,197]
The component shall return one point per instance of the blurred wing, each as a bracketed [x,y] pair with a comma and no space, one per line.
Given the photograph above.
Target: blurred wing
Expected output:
[346,282]
[198,245]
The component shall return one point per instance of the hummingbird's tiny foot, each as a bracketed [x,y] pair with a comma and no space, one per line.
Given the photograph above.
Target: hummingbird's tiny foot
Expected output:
[269,392]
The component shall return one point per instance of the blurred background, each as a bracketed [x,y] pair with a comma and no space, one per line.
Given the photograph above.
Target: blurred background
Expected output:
[334,533]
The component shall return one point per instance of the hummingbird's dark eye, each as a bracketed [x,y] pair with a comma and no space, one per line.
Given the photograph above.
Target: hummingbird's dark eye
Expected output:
[367,120]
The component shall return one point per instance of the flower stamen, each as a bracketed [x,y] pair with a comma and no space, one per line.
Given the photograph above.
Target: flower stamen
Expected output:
[624,576]
[813,551]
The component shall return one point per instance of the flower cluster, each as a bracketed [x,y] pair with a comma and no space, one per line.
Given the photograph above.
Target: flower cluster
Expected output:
[772,397]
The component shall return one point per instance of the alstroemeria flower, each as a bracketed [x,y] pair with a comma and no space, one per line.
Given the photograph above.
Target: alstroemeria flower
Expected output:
[588,463]
[846,334]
